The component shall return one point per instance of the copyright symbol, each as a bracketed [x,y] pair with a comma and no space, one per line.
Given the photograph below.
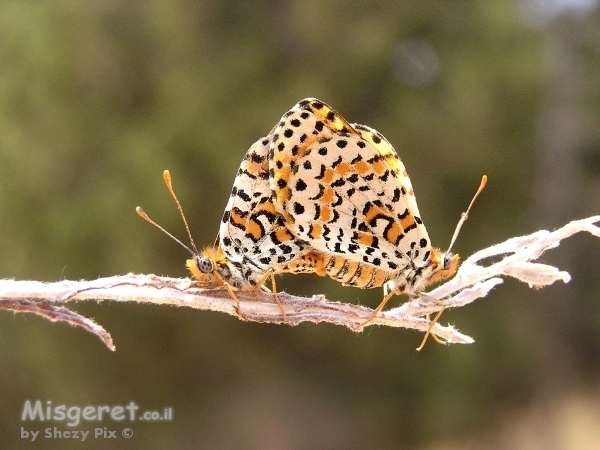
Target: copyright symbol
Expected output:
[127,433]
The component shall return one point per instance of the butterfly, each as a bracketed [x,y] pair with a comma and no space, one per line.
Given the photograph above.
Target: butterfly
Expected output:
[253,243]
[343,189]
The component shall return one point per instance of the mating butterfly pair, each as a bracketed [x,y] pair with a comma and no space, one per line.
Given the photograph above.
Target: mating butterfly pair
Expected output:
[320,195]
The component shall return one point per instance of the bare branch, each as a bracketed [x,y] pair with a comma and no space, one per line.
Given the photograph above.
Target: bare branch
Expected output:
[56,314]
[473,280]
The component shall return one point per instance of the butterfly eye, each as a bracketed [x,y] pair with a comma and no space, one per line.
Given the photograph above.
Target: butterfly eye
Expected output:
[446,261]
[204,264]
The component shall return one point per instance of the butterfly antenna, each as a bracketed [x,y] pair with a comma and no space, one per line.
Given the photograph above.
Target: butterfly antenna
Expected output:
[167,178]
[464,216]
[144,216]
[217,240]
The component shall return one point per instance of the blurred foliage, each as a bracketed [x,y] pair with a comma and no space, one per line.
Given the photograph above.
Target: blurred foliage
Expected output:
[97,98]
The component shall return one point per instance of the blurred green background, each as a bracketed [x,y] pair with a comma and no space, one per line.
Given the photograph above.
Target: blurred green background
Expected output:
[98,98]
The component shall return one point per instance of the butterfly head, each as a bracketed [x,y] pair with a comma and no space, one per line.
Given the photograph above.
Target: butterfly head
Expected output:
[207,267]
[212,268]
[443,266]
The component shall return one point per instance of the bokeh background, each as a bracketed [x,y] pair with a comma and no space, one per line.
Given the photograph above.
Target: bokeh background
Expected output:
[98,98]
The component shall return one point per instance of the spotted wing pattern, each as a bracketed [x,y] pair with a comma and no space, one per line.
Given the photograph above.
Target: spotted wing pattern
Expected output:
[253,236]
[343,189]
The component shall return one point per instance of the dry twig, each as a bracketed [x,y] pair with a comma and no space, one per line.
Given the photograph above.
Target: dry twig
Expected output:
[473,280]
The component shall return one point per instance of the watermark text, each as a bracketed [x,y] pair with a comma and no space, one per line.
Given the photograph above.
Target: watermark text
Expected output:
[73,415]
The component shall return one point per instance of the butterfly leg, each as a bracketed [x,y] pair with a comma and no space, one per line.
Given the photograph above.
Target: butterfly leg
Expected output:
[377,311]
[428,332]
[271,273]
[432,324]
[237,302]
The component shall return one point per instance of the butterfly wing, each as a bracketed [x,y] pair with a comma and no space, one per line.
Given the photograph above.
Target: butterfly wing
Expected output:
[252,231]
[343,189]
